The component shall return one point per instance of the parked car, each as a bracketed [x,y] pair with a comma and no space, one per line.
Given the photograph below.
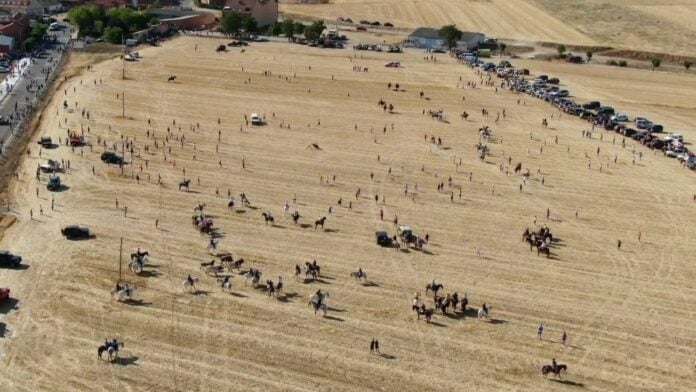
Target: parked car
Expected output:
[605,110]
[111,157]
[543,77]
[619,117]
[256,119]
[674,136]
[53,183]
[45,141]
[4,293]
[361,28]
[592,105]
[656,128]
[75,232]
[4,120]
[388,25]
[383,238]
[675,152]
[643,123]
[553,81]
[9,260]
[50,166]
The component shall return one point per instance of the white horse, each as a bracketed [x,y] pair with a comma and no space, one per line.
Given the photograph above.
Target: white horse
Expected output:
[251,277]
[125,294]
[482,313]
[190,285]
[136,266]
[110,350]
[315,299]
[359,275]
[225,285]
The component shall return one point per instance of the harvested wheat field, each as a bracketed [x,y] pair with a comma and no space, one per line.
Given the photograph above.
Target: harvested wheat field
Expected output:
[662,26]
[629,313]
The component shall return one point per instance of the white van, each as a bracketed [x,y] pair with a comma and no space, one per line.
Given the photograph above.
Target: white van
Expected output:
[256,119]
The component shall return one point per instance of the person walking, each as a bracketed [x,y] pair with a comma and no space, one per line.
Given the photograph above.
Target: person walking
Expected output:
[564,338]
[540,331]
[372,346]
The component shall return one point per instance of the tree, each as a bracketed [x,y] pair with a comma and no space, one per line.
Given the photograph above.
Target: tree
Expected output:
[687,65]
[561,49]
[314,30]
[288,28]
[113,35]
[299,28]
[589,55]
[275,29]
[249,24]
[502,46]
[656,63]
[38,32]
[99,27]
[231,23]
[450,34]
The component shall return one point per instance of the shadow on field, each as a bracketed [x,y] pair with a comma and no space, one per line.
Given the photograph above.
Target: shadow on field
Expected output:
[3,330]
[138,302]
[333,318]
[288,297]
[126,361]
[9,304]
[571,383]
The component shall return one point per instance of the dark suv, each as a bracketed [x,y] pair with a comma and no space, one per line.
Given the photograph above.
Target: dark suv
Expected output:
[111,157]
[7,259]
[75,232]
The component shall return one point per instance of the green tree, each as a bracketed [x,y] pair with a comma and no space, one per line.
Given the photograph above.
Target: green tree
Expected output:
[275,29]
[450,34]
[656,62]
[38,32]
[231,23]
[502,46]
[299,28]
[687,65]
[249,24]
[113,35]
[589,55]
[314,30]
[98,27]
[561,49]
[84,18]
[288,28]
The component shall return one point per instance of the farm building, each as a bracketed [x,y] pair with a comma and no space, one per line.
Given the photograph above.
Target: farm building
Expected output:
[429,38]
[264,11]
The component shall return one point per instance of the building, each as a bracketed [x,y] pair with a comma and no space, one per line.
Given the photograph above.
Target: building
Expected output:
[7,44]
[429,38]
[15,26]
[34,8]
[264,11]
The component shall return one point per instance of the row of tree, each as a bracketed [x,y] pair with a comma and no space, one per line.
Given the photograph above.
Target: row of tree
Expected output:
[113,25]
[234,23]
[38,32]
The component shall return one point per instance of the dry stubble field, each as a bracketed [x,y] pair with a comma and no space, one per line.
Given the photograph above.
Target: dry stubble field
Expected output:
[662,26]
[629,313]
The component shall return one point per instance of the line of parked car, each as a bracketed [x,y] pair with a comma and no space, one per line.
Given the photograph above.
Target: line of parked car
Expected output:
[640,129]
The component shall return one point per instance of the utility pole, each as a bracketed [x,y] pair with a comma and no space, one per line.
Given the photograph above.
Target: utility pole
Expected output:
[123,107]
[123,58]
[120,256]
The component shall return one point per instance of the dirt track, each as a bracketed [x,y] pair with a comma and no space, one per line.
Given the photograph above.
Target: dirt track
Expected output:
[629,313]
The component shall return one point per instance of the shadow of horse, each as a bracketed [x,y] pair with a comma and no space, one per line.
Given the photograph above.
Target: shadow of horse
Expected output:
[568,382]
[9,304]
[138,302]
[287,297]
[329,317]
[305,225]
[126,361]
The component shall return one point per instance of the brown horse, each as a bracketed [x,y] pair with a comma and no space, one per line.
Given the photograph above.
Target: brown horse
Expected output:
[434,288]
[319,222]
[546,369]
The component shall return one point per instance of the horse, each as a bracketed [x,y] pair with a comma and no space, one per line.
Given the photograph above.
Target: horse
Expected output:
[189,285]
[234,264]
[225,283]
[319,222]
[295,217]
[199,207]
[268,217]
[136,266]
[171,78]
[124,294]
[253,276]
[318,301]
[433,287]
[546,369]
[428,313]
[518,168]
[543,248]
[110,350]
[230,204]
[140,256]
[359,275]
[484,312]
[184,184]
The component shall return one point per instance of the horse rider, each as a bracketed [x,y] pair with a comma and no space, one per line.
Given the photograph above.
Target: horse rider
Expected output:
[114,344]
[225,281]
[554,365]
[360,272]
[189,279]
[485,308]
[320,297]
[314,264]
[118,286]
[298,270]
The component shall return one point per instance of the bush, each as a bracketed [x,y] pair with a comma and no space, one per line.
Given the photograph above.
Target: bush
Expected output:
[623,63]
[612,62]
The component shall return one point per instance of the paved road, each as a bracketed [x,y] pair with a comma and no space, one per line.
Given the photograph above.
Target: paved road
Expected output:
[16,102]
